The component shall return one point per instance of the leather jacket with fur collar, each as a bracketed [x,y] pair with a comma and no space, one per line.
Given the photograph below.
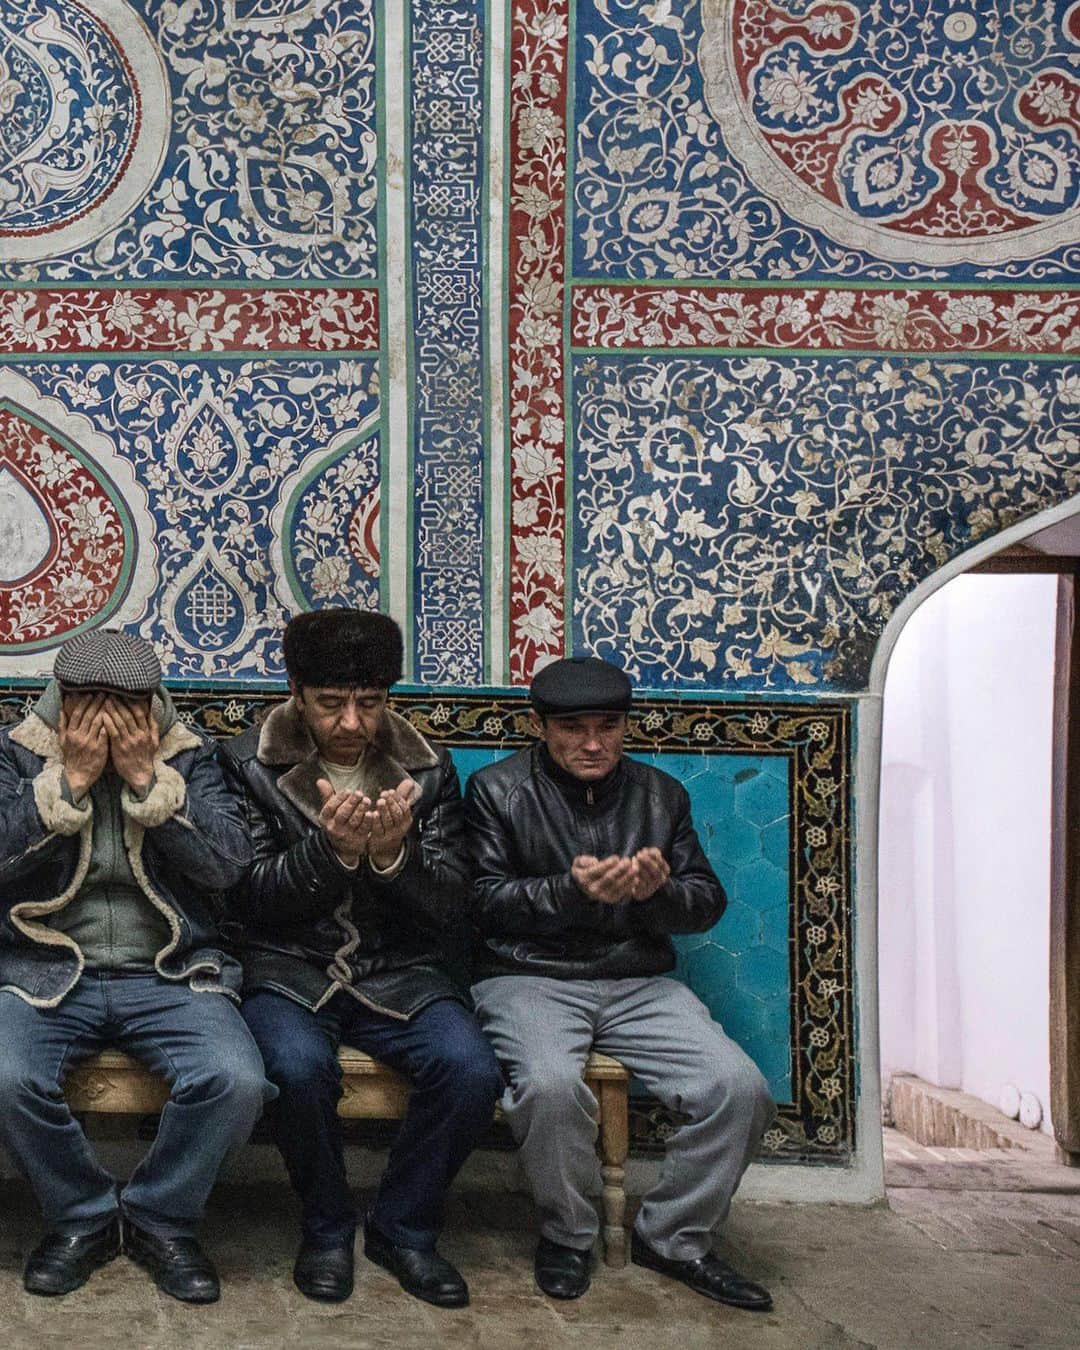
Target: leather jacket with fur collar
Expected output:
[527,819]
[311,927]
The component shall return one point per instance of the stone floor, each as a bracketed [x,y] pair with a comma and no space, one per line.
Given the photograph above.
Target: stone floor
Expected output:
[941,1266]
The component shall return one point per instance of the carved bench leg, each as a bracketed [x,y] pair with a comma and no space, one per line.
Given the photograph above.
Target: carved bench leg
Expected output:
[614,1144]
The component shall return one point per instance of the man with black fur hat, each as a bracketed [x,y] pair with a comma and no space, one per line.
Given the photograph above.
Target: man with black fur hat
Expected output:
[586,862]
[117,826]
[359,877]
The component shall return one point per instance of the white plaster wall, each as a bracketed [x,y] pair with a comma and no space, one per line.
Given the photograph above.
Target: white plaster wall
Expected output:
[964,842]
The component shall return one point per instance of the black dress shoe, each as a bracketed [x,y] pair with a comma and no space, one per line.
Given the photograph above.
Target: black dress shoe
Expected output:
[562,1272]
[61,1262]
[324,1273]
[707,1275]
[424,1274]
[178,1265]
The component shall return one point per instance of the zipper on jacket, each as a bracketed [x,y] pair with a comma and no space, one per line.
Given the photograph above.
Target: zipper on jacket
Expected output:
[589,795]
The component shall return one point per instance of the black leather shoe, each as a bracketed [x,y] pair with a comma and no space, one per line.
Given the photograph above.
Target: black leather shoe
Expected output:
[61,1263]
[707,1275]
[324,1273]
[562,1272]
[425,1275]
[178,1265]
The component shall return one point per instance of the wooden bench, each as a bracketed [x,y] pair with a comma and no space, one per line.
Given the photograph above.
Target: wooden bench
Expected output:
[115,1084]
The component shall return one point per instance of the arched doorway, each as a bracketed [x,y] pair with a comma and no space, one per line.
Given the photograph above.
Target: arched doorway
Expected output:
[979,884]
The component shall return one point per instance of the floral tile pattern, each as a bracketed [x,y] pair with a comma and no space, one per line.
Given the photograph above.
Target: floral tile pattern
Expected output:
[757,520]
[901,320]
[194,320]
[216,458]
[220,139]
[753,138]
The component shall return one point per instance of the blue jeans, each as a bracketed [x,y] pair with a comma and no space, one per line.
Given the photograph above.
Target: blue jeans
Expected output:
[197,1042]
[456,1082]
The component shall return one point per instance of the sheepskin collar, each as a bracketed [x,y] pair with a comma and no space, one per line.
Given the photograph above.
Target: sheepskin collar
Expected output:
[285,739]
[397,751]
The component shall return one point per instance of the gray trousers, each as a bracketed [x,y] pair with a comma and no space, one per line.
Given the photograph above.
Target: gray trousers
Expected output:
[542,1031]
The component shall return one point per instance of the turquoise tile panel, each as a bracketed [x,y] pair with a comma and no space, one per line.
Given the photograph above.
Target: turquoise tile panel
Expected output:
[741,968]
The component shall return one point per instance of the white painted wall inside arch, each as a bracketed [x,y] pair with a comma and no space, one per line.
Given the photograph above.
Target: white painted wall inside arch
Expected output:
[964,841]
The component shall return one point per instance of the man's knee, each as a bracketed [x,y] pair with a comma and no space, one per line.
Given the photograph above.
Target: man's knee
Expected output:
[231,1075]
[551,1083]
[17,1086]
[756,1096]
[298,1060]
[477,1072]
[737,1089]
[22,1077]
[465,1065]
[303,1069]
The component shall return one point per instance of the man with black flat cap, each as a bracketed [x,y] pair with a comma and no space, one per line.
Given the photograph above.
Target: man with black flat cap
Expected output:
[585,863]
[117,827]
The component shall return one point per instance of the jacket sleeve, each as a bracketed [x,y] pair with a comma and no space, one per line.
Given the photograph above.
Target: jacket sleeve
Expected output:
[505,900]
[433,878]
[692,898]
[283,883]
[195,822]
[35,820]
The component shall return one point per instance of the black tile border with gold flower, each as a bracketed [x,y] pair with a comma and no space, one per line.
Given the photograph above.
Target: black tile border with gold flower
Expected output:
[818,1125]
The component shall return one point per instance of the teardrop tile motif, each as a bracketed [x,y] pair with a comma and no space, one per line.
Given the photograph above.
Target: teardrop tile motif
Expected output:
[66,541]
[208,448]
[27,537]
[212,608]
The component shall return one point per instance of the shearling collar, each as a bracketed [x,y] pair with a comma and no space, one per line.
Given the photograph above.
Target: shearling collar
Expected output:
[397,751]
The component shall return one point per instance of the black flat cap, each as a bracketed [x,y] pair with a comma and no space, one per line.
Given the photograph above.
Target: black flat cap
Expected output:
[580,684]
[110,661]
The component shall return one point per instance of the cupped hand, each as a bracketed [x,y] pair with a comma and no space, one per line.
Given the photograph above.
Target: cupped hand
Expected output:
[609,880]
[344,818]
[652,872]
[391,820]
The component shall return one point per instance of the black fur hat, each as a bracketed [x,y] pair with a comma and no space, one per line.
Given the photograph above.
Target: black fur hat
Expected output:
[342,648]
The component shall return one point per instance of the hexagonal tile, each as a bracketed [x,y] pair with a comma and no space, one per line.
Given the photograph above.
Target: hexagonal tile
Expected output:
[762,972]
[686,943]
[774,1061]
[712,798]
[776,842]
[761,799]
[737,841]
[710,968]
[759,884]
[739,927]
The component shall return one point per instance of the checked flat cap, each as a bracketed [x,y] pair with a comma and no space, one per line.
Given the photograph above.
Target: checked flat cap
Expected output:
[108,660]
[579,684]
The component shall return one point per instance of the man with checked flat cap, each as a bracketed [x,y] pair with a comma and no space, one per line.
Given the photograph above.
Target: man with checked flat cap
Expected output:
[586,862]
[358,883]
[117,831]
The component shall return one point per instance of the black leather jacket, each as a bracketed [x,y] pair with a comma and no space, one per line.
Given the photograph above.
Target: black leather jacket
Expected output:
[311,927]
[527,819]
